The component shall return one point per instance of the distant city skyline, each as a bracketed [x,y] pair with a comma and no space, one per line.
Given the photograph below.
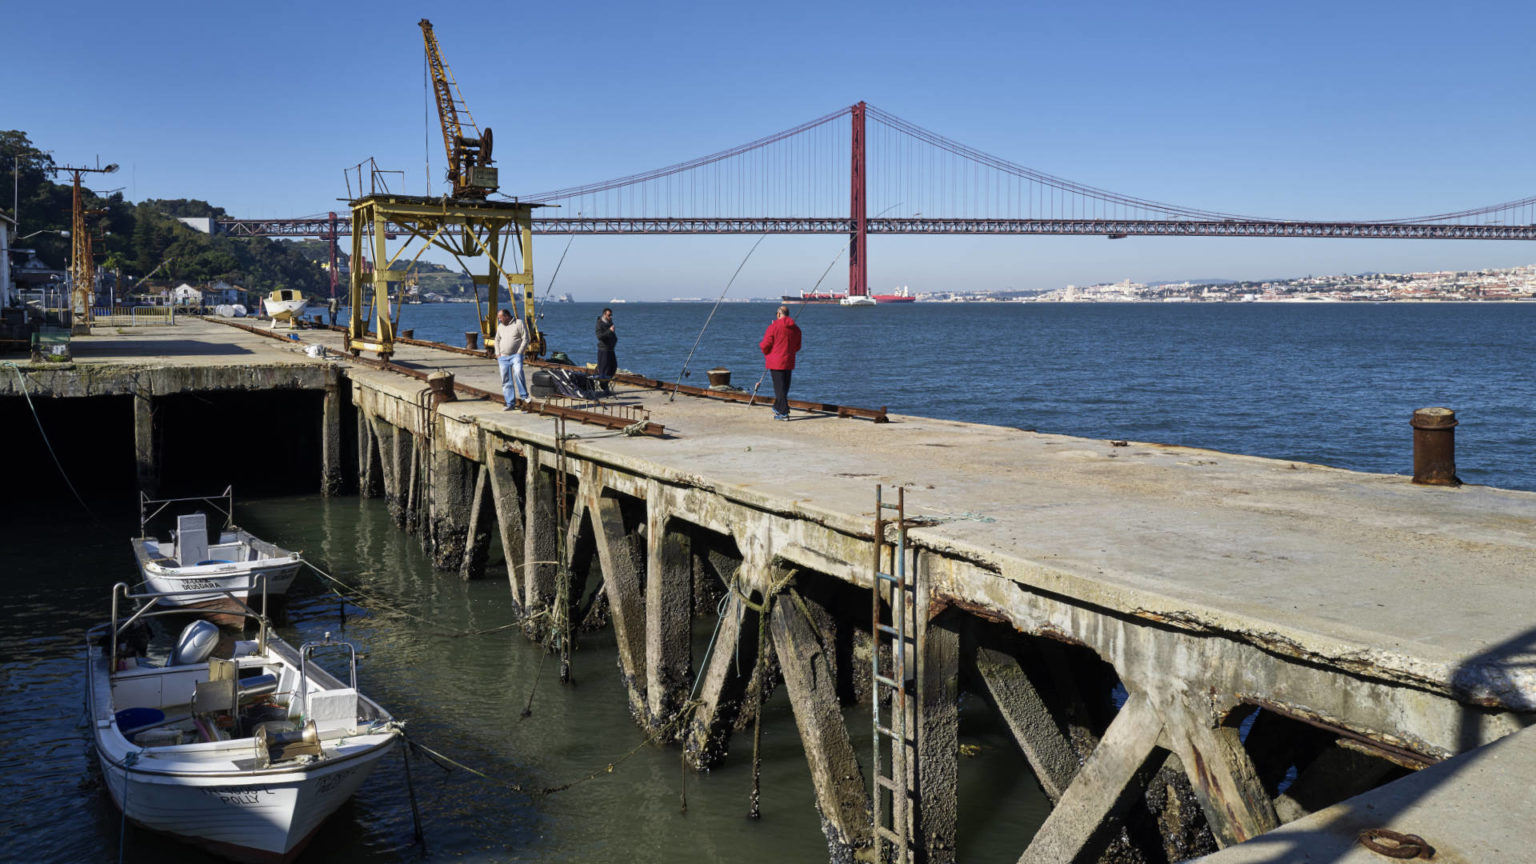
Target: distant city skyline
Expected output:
[1308,111]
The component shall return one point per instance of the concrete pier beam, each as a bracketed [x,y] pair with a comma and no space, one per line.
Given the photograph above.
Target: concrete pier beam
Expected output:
[1235,803]
[723,686]
[332,480]
[370,476]
[841,796]
[1104,788]
[395,448]
[623,585]
[1019,703]
[477,535]
[668,613]
[146,442]
[450,500]
[938,733]
[510,519]
[540,544]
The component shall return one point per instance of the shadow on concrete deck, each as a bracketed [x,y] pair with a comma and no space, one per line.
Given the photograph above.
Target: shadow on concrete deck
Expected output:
[117,349]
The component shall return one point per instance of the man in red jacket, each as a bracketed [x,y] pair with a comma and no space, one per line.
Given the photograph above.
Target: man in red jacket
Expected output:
[779,345]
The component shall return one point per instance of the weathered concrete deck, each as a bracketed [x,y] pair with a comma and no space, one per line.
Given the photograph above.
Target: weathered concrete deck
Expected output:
[1394,615]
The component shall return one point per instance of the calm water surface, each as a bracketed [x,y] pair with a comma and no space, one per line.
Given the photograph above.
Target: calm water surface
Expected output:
[1328,383]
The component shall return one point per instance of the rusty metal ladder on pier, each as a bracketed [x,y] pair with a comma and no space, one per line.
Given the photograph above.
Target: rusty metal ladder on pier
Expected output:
[895,634]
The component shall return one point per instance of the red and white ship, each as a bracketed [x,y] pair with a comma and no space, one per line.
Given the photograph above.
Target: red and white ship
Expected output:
[902,295]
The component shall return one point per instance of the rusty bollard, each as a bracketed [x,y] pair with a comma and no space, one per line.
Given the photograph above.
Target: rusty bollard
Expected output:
[442,388]
[407,334]
[472,339]
[719,377]
[1434,447]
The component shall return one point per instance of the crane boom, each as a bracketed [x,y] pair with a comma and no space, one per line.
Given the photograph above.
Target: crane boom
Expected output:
[469,157]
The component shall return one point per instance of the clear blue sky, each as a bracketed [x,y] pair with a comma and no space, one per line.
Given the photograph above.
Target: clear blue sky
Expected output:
[1333,110]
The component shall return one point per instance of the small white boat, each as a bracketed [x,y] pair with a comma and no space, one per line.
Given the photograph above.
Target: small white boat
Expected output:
[857,300]
[203,575]
[286,304]
[245,756]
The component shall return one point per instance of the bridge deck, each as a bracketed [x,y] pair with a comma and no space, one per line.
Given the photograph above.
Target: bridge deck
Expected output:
[1416,584]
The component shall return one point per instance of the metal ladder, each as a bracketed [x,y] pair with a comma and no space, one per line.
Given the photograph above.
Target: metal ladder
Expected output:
[893,621]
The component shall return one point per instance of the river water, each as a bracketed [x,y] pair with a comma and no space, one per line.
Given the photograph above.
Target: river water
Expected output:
[1327,383]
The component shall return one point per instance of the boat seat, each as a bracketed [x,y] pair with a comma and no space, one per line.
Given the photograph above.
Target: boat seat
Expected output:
[221,691]
[333,710]
[191,538]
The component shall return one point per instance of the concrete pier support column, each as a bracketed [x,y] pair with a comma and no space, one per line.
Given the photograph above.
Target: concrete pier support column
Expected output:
[938,731]
[668,612]
[450,500]
[370,476]
[841,797]
[1104,788]
[395,448]
[1235,803]
[477,536]
[1019,703]
[721,691]
[509,518]
[332,482]
[623,585]
[540,542]
[415,471]
[146,442]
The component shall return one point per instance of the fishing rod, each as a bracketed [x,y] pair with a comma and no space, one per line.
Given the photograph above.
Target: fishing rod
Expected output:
[679,382]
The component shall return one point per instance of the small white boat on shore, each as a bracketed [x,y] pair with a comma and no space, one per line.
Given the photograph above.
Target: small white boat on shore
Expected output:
[286,304]
[246,755]
[203,575]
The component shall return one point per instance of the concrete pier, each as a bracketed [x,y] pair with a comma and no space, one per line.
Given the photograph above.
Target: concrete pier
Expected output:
[1168,632]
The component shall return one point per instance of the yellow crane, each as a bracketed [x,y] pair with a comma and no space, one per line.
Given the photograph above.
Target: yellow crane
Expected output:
[469,157]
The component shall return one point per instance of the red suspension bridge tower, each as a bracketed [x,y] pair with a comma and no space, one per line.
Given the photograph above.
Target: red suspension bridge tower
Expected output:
[858,265]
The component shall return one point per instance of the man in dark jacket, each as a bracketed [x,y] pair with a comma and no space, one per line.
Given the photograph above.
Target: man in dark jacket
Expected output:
[607,361]
[779,345]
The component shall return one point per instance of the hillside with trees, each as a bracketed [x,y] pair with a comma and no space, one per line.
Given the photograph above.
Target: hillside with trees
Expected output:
[133,239]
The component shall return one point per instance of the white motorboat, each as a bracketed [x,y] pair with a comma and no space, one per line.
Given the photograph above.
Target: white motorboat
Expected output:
[204,575]
[857,300]
[246,755]
[286,304]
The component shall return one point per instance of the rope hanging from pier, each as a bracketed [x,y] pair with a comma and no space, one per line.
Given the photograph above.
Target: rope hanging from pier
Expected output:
[21,381]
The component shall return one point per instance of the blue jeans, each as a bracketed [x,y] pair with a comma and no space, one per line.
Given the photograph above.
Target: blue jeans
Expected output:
[512,386]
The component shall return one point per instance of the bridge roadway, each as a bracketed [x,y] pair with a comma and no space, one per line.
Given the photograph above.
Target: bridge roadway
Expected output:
[1395,616]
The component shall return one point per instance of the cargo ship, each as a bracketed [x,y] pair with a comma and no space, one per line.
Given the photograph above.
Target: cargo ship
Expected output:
[902,295]
[812,297]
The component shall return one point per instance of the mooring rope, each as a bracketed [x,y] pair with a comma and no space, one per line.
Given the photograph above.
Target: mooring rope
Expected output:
[22,381]
[372,600]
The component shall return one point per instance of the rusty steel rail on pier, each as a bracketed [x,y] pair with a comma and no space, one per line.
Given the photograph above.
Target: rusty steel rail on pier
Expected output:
[617,422]
[875,415]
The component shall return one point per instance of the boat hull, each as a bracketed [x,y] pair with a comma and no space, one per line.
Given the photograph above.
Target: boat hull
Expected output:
[224,581]
[214,792]
[264,819]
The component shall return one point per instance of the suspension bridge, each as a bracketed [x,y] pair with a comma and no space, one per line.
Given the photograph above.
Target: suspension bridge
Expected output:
[827,176]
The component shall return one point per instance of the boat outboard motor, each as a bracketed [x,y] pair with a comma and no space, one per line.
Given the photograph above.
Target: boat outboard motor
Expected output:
[196,642]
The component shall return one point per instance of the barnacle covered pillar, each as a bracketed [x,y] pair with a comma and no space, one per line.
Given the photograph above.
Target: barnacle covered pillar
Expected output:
[668,611]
